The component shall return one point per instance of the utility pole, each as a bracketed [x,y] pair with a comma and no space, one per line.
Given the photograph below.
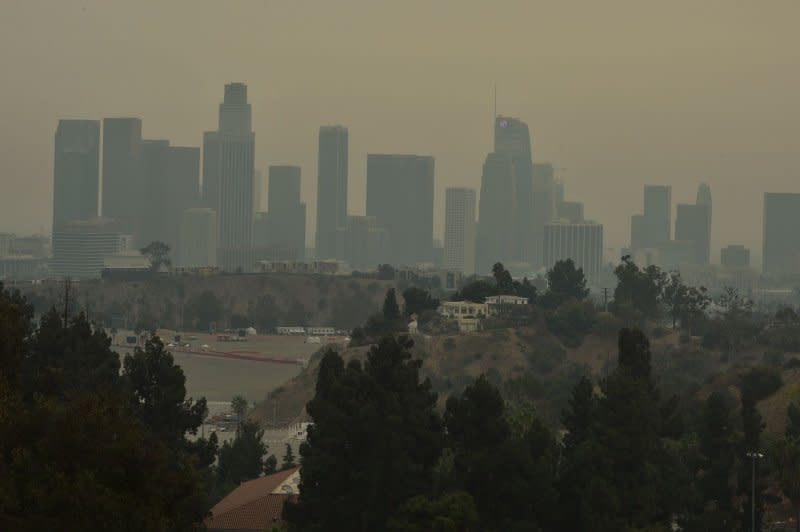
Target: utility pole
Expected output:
[605,299]
[753,456]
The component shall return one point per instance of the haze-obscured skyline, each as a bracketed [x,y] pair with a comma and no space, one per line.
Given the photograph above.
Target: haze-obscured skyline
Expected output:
[620,94]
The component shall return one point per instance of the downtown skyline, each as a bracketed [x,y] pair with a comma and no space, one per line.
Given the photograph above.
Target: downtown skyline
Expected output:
[715,105]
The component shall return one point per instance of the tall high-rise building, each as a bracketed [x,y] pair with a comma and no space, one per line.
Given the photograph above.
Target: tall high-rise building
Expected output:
[198,238]
[657,214]
[228,172]
[693,224]
[331,188]
[781,240]
[638,232]
[153,168]
[172,185]
[80,247]
[182,190]
[545,193]
[123,181]
[459,230]
[582,242]
[211,169]
[259,192]
[512,137]
[362,242]
[400,197]
[76,171]
[286,215]
[496,216]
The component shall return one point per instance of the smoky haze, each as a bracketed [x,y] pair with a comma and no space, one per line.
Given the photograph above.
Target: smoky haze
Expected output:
[617,94]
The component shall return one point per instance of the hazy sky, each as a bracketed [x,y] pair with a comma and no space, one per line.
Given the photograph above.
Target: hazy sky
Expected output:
[617,93]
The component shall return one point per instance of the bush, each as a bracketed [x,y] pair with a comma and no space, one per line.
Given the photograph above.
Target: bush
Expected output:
[762,381]
[449,344]
[572,321]
[546,355]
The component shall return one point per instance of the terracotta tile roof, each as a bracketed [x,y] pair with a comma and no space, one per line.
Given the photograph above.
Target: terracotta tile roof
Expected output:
[256,504]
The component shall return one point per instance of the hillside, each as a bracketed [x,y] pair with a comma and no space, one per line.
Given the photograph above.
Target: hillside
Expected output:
[264,300]
[524,362]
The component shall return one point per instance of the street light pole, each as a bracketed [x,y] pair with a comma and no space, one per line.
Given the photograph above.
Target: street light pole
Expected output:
[753,456]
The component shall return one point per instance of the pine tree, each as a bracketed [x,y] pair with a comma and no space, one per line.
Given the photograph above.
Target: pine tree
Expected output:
[374,441]
[288,458]
[391,310]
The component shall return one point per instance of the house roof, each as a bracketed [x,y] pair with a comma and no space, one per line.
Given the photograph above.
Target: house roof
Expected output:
[256,504]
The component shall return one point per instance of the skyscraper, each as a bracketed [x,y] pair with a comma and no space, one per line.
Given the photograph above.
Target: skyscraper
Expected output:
[76,171]
[123,183]
[331,188]
[512,137]
[198,238]
[657,214]
[693,224]
[182,190]
[80,247]
[781,238]
[582,242]
[362,242]
[497,217]
[153,167]
[545,194]
[172,185]
[400,197]
[286,215]
[459,230]
[228,178]
[638,232]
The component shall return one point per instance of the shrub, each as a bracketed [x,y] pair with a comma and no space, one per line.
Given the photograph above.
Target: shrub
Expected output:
[762,381]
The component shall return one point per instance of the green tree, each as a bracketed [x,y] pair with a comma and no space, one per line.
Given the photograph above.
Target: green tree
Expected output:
[374,440]
[484,450]
[685,303]
[288,458]
[241,459]
[391,311]
[628,432]
[736,319]
[158,254]
[266,314]
[62,359]
[476,291]
[717,445]
[638,290]
[270,464]
[206,309]
[452,512]
[158,387]
[417,301]
[504,284]
[565,281]
[100,469]
[239,407]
